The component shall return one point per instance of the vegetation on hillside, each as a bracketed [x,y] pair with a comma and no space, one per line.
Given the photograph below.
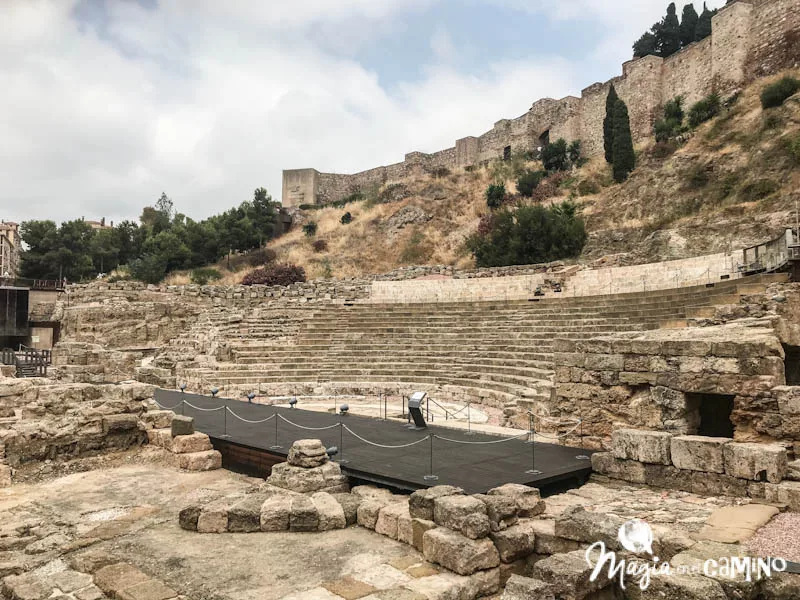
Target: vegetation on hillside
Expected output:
[669,35]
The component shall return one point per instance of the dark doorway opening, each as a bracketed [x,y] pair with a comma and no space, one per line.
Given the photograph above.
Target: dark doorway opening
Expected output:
[715,414]
[544,139]
[792,364]
[507,153]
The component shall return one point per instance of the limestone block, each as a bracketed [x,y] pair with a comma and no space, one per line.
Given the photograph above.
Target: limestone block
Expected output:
[158,419]
[699,453]
[793,471]
[304,515]
[546,540]
[525,588]
[786,492]
[388,517]
[275,513]
[331,513]
[297,479]
[148,590]
[209,460]
[516,542]
[118,423]
[245,515]
[160,437]
[307,454]
[502,510]
[420,503]
[182,425]
[405,528]
[349,504]
[528,499]
[448,586]
[568,575]
[368,512]
[27,587]
[626,470]
[464,514]
[644,446]
[418,529]
[112,579]
[70,581]
[678,587]
[213,519]
[756,461]
[5,476]
[371,492]
[187,518]
[580,525]
[196,442]
[459,553]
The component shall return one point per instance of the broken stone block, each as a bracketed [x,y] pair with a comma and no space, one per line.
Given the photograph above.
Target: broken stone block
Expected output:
[117,423]
[371,492]
[580,525]
[275,513]
[447,586]
[187,518]
[350,504]
[699,453]
[464,514]
[213,519]
[651,447]
[501,510]
[148,590]
[528,499]
[303,515]
[307,454]
[546,540]
[569,576]
[388,517]
[420,503]
[525,588]
[25,587]
[5,476]
[245,515]
[209,460]
[405,529]
[516,542]
[368,512]
[182,425]
[418,528]
[197,442]
[117,577]
[69,581]
[158,419]
[756,462]
[459,553]
[626,470]
[786,492]
[331,513]
[683,587]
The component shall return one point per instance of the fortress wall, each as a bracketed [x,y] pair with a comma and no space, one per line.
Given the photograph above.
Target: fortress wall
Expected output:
[749,39]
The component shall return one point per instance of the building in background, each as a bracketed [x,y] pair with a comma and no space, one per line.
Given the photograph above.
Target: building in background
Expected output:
[9,249]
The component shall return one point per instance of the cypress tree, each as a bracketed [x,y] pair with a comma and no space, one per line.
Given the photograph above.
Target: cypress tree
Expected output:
[608,124]
[624,159]
[646,45]
[703,24]
[669,33]
[688,24]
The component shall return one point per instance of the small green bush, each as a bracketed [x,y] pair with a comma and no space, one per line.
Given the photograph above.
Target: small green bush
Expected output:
[204,275]
[775,95]
[310,229]
[320,246]
[277,274]
[529,181]
[758,189]
[704,110]
[346,219]
[495,195]
[587,187]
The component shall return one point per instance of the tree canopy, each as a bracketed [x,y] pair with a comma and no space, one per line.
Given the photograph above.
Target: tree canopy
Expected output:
[669,35]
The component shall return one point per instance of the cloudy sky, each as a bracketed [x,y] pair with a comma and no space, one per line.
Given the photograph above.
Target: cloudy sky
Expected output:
[107,103]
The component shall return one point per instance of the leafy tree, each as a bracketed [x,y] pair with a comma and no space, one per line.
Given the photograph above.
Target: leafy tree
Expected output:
[555,157]
[608,124]
[530,234]
[688,28]
[624,156]
[203,275]
[104,250]
[703,29]
[150,268]
[529,181]
[574,153]
[672,123]
[646,45]
[669,33]
[495,195]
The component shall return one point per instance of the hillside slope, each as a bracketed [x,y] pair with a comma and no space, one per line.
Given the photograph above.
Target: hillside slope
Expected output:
[735,182]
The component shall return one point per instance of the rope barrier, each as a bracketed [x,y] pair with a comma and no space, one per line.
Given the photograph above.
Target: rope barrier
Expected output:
[438,437]
[249,421]
[203,409]
[558,436]
[366,441]
[162,407]
[308,428]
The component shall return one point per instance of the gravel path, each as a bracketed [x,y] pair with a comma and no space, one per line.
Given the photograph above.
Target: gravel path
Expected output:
[779,538]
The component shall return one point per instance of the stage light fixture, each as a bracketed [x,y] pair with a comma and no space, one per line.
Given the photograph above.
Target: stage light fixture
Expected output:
[293,403]
[415,410]
[250,397]
[183,387]
[332,451]
[214,392]
[344,409]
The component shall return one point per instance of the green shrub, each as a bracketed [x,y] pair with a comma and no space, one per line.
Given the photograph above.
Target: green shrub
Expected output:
[346,219]
[529,181]
[704,110]
[204,275]
[150,268]
[697,177]
[555,156]
[310,229]
[528,235]
[758,189]
[320,246]
[495,195]
[663,149]
[277,274]
[775,94]
[587,187]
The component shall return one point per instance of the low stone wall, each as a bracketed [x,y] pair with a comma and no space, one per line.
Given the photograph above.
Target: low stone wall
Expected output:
[80,362]
[710,466]
[648,379]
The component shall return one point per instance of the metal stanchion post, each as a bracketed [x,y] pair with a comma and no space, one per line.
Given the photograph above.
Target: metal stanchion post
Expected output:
[276,445]
[533,470]
[225,417]
[342,459]
[469,418]
[430,476]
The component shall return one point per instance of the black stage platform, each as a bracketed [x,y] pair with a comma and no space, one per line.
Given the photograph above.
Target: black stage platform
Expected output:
[476,462]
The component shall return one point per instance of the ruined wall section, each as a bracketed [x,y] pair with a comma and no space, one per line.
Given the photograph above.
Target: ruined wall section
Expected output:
[748,40]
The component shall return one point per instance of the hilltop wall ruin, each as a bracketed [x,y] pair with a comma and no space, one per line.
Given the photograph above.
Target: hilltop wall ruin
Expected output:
[749,40]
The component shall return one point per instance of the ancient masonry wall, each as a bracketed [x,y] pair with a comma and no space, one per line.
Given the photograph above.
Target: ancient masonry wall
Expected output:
[749,40]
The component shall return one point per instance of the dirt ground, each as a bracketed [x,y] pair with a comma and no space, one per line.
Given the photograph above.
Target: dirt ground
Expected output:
[131,511]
